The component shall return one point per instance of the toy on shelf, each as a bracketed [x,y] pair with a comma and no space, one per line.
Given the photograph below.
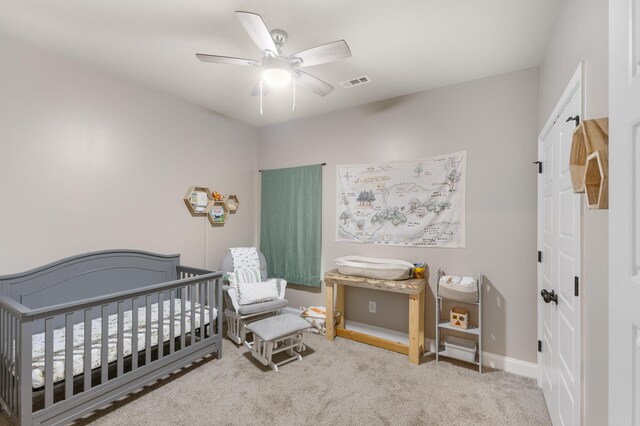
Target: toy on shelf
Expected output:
[217,196]
[459,317]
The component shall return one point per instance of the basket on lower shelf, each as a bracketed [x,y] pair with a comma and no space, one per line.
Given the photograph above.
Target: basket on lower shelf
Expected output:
[459,348]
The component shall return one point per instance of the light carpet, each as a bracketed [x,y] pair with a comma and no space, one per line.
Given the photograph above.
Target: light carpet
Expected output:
[336,383]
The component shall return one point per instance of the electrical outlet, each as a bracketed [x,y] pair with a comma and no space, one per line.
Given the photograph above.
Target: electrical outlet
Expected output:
[372,307]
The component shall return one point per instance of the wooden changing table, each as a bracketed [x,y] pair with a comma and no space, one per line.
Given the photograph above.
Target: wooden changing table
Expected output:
[336,282]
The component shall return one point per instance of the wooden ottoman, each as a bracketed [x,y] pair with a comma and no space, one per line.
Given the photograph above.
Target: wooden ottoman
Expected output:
[277,334]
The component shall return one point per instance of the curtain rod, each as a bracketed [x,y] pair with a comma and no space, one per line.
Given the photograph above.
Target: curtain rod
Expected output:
[322,164]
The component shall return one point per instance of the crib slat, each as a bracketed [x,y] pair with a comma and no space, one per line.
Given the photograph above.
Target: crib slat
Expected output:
[147,332]
[104,344]
[172,321]
[48,362]
[68,356]
[211,300]
[87,349]
[13,347]
[134,333]
[193,313]
[7,338]
[120,343]
[12,324]
[220,317]
[5,385]
[201,288]
[160,324]
[183,325]
[23,351]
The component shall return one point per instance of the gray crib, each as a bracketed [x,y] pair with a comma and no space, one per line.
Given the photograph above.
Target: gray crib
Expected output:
[52,371]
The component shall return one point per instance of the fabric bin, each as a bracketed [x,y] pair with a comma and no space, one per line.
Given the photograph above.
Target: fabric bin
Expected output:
[461,289]
[459,348]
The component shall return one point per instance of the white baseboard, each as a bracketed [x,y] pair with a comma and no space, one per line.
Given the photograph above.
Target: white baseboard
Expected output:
[504,363]
[510,365]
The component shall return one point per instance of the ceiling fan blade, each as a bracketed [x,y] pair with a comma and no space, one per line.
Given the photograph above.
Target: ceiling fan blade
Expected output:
[312,83]
[254,25]
[256,90]
[226,60]
[324,53]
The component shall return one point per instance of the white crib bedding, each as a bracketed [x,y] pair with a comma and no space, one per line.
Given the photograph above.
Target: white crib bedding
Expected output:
[38,340]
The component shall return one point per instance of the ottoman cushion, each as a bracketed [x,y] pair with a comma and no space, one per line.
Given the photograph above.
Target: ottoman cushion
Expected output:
[272,328]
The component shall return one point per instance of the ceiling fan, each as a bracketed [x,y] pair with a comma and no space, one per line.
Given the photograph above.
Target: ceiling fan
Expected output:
[278,68]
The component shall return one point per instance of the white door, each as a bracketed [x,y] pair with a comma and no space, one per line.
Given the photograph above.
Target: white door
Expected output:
[559,212]
[624,208]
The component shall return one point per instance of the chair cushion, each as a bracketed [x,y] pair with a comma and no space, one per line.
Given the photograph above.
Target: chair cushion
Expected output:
[279,326]
[257,308]
[250,293]
[244,276]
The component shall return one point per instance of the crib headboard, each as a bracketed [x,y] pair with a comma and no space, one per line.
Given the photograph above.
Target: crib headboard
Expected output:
[88,275]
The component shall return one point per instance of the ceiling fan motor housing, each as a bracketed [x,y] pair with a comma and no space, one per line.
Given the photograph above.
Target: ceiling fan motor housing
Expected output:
[279,37]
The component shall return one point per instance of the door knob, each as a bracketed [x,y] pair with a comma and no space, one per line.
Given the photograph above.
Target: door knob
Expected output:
[549,297]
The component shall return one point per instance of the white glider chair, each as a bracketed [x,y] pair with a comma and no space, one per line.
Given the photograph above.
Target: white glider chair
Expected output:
[238,316]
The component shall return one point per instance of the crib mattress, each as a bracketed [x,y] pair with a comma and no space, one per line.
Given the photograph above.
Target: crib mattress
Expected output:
[96,338]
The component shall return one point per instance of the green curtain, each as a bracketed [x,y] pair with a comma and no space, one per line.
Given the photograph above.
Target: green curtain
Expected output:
[291,222]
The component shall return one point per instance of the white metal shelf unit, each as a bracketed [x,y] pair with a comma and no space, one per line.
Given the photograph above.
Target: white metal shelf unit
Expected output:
[444,324]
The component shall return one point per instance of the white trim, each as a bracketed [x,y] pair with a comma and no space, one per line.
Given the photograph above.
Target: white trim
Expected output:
[510,365]
[574,84]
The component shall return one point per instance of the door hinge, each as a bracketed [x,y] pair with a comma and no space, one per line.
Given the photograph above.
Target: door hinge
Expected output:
[539,256]
[576,284]
[539,163]
[539,345]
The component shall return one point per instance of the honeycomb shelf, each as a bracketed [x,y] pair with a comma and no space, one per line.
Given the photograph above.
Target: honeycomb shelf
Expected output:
[197,200]
[232,203]
[589,137]
[217,213]
[596,181]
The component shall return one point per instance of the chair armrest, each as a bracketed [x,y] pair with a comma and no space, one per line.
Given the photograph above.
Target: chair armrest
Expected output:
[233,297]
[282,286]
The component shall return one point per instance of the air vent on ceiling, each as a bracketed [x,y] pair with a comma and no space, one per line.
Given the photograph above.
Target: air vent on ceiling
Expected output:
[356,82]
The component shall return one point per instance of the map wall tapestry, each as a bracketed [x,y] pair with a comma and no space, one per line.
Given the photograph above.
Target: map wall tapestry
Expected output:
[418,203]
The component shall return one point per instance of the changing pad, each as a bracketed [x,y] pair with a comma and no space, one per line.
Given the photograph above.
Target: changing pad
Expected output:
[370,267]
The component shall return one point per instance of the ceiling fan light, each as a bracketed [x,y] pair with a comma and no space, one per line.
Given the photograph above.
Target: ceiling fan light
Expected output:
[276,76]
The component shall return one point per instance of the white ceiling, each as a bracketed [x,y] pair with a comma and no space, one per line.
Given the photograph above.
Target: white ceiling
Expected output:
[404,46]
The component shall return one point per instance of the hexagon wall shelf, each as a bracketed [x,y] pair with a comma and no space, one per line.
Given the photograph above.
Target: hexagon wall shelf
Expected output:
[217,213]
[197,200]
[588,137]
[596,180]
[233,203]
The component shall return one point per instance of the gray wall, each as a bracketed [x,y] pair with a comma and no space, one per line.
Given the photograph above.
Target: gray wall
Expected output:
[89,161]
[495,120]
[581,34]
